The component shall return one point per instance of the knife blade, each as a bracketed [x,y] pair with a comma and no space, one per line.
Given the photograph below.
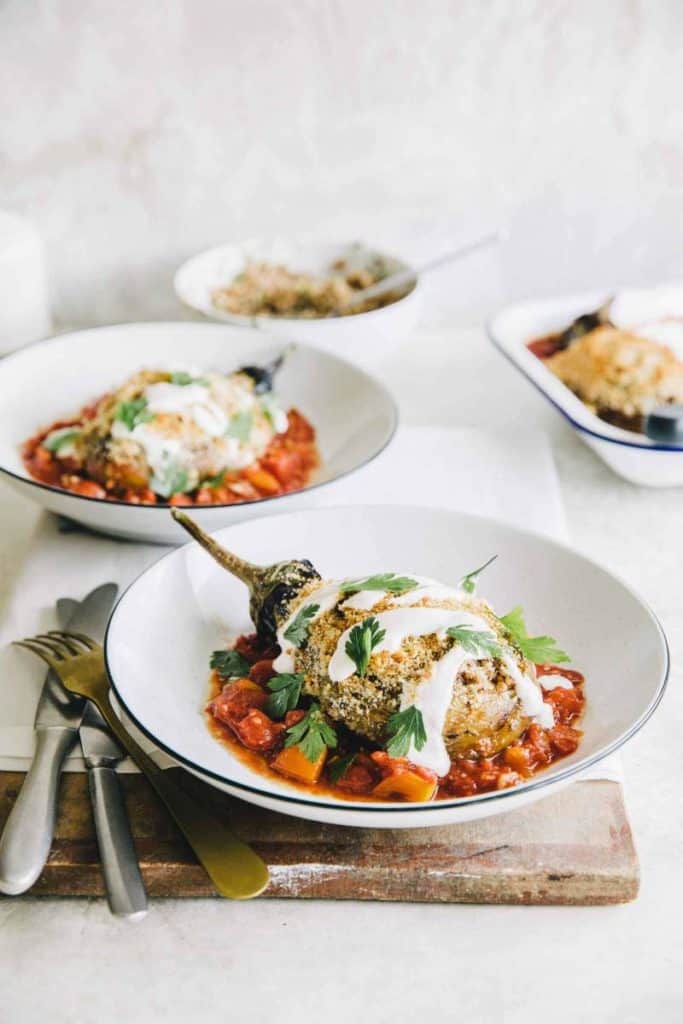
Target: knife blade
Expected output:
[27,837]
[125,889]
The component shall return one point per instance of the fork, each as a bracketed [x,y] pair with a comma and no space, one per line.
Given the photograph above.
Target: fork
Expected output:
[235,869]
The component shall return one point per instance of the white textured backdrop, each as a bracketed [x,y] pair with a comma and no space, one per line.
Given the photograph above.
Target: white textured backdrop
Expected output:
[137,132]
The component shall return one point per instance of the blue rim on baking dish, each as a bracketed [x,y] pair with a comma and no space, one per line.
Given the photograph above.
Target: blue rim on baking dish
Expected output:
[277,795]
[618,436]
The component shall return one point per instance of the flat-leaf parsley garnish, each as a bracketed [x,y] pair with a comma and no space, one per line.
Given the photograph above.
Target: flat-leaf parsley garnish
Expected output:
[539,649]
[133,413]
[338,768]
[240,426]
[182,379]
[297,630]
[229,664]
[285,690]
[312,734]
[387,581]
[469,581]
[475,641]
[406,728]
[362,641]
[58,439]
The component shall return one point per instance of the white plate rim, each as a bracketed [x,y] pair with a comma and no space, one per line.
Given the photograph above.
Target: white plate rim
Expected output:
[620,436]
[113,503]
[544,780]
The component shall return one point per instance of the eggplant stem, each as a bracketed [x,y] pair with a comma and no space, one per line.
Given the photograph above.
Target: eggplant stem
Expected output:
[246,571]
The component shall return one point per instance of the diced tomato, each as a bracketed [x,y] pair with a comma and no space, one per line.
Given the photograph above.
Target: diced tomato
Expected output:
[575,678]
[236,701]
[292,717]
[262,480]
[395,765]
[298,427]
[262,671]
[566,704]
[257,731]
[180,499]
[538,745]
[563,739]
[284,465]
[253,649]
[361,776]
[86,488]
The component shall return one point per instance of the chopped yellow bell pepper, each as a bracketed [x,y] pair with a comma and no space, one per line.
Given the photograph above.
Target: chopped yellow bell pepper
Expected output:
[290,761]
[405,785]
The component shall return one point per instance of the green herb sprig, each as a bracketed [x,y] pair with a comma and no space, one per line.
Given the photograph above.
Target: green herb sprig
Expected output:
[539,649]
[406,728]
[387,581]
[285,690]
[476,642]
[469,581]
[297,630]
[58,439]
[133,413]
[229,664]
[240,426]
[362,641]
[312,734]
[338,768]
[182,379]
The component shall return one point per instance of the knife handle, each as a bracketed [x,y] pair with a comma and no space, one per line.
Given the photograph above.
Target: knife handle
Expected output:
[27,837]
[125,889]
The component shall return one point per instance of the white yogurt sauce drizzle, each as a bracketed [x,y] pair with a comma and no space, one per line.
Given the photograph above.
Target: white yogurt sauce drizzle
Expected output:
[432,695]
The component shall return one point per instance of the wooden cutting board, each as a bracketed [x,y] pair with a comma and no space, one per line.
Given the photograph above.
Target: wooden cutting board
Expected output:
[574,847]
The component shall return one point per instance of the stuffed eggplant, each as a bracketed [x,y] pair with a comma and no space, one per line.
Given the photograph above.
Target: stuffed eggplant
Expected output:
[427,670]
[182,437]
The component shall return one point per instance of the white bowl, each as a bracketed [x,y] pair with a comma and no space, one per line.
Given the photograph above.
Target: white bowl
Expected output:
[364,338]
[354,416]
[632,456]
[166,624]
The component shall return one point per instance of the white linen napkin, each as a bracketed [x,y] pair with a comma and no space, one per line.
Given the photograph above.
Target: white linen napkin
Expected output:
[471,470]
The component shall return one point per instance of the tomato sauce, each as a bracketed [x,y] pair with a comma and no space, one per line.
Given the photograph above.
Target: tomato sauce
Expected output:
[235,716]
[287,465]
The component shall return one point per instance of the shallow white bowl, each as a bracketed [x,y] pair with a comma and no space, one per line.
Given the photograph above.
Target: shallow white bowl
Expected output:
[633,456]
[166,624]
[354,415]
[364,338]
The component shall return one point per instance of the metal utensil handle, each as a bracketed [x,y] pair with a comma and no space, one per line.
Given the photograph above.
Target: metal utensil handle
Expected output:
[125,889]
[234,868]
[27,836]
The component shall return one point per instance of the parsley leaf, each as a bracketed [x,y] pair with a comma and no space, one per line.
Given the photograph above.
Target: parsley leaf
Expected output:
[182,379]
[240,426]
[285,690]
[469,582]
[338,768]
[312,734]
[171,478]
[134,412]
[539,649]
[474,641]
[406,728]
[229,664]
[362,641]
[58,439]
[387,581]
[297,630]
[214,481]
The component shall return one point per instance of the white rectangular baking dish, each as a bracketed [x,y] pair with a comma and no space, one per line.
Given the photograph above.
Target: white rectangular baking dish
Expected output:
[633,456]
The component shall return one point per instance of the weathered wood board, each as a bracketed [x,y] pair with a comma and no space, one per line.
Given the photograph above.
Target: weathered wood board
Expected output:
[574,847]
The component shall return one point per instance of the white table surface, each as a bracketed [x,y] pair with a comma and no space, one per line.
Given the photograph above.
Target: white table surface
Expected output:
[309,961]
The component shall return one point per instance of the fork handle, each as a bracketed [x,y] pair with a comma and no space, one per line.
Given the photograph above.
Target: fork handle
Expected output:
[27,836]
[234,868]
[125,890]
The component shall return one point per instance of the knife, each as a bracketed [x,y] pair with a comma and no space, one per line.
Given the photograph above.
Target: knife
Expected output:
[27,837]
[125,889]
